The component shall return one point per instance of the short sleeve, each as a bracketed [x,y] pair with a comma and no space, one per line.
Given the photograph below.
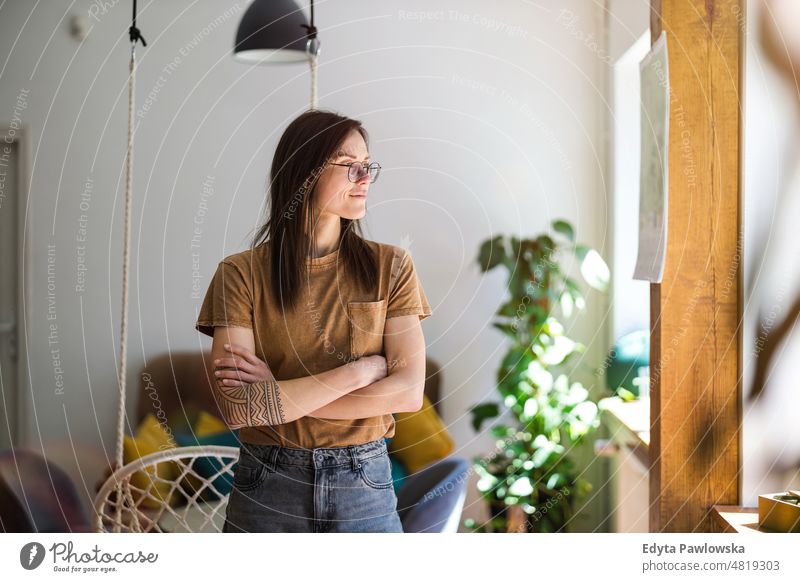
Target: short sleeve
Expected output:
[228,301]
[406,296]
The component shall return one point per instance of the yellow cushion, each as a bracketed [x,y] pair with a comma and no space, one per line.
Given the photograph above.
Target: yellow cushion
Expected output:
[207,424]
[151,437]
[420,437]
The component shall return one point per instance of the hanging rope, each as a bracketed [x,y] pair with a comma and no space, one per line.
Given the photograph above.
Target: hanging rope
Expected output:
[312,48]
[134,32]
[312,59]
[123,490]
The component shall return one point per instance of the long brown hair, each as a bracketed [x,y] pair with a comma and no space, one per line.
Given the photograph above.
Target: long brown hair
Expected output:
[303,151]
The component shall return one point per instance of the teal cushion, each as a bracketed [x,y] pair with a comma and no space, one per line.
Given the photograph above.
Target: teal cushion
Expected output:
[399,473]
[207,467]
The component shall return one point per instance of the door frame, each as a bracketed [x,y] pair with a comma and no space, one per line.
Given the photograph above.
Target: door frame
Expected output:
[21,137]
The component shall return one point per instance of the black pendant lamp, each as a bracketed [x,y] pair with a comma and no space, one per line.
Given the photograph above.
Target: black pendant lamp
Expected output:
[275,31]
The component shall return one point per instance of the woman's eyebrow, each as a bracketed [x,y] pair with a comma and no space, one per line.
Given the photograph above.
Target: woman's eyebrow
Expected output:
[342,153]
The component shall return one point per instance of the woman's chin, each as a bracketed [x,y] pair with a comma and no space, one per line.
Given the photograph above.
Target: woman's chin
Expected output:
[355,213]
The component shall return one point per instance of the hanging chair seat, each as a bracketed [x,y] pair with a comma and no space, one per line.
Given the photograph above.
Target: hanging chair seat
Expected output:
[191,501]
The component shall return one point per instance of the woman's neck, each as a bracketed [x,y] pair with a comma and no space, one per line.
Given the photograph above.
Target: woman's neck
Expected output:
[326,236]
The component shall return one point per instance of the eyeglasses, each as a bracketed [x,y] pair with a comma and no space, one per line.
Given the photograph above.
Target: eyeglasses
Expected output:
[357,170]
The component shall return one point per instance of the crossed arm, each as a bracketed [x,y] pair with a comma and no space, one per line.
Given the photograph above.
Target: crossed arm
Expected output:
[401,390]
[249,395]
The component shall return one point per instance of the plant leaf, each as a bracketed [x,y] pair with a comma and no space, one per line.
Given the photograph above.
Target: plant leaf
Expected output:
[593,268]
[575,291]
[508,329]
[492,253]
[555,354]
[567,303]
[482,412]
[564,228]
[499,431]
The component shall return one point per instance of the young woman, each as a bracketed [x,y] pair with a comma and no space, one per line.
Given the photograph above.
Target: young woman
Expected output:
[317,341]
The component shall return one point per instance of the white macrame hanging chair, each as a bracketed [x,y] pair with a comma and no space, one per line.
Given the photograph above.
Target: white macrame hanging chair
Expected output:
[135,497]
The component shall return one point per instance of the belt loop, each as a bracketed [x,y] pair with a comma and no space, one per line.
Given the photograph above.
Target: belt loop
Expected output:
[354,457]
[272,458]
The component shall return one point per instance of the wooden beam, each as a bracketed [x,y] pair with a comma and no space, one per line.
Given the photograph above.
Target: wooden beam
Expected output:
[695,313]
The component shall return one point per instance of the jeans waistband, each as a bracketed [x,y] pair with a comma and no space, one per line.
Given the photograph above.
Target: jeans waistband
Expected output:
[272,455]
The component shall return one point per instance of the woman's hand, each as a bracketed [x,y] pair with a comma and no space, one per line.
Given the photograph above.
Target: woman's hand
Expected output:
[370,369]
[243,367]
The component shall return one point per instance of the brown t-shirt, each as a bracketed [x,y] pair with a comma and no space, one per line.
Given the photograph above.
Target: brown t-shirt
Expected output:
[333,322]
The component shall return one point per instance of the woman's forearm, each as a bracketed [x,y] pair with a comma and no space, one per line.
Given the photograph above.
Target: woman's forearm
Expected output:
[271,402]
[398,392]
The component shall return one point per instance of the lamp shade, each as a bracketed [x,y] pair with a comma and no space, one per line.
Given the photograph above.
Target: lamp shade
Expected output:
[271,31]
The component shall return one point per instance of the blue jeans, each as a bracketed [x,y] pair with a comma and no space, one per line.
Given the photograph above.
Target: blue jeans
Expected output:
[336,489]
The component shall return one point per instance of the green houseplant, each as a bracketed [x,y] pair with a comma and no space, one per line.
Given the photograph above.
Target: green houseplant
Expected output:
[529,480]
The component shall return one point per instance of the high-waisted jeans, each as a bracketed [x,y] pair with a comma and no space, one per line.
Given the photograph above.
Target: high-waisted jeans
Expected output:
[336,489]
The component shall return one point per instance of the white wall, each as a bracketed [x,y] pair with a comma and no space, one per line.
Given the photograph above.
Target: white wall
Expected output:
[486,118]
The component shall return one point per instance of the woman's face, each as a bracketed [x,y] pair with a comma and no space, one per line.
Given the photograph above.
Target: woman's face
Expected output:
[335,194]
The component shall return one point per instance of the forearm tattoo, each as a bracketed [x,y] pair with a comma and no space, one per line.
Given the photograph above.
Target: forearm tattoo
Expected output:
[256,404]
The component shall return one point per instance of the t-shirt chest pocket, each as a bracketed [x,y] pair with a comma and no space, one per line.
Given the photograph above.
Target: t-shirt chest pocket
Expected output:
[367,321]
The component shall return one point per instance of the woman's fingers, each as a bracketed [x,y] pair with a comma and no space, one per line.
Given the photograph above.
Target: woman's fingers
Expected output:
[234,383]
[232,377]
[244,353]
[242,368]
[237,374]
[237,363]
